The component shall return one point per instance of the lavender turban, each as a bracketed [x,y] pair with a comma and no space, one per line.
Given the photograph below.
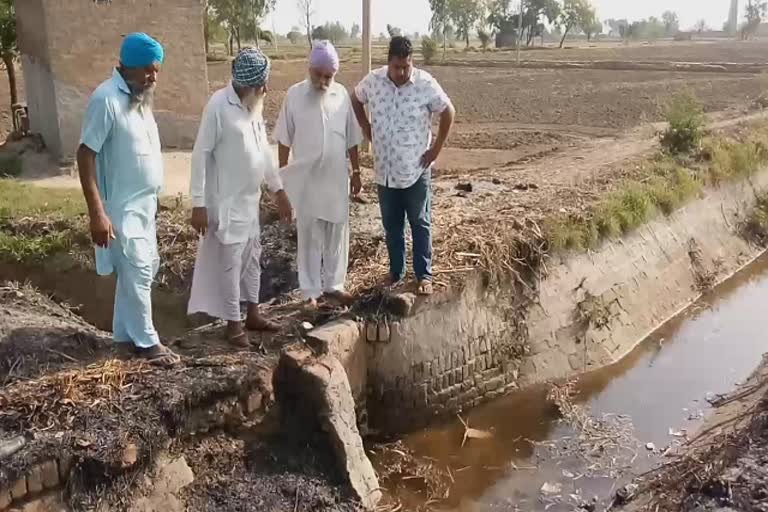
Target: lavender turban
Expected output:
[324,56]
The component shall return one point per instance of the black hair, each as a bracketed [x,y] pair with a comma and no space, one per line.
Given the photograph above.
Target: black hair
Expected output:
[400,47]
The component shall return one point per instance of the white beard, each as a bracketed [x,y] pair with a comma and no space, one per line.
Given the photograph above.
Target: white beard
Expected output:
[255,104]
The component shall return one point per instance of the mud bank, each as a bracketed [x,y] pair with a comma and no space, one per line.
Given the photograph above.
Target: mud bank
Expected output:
[83,426]
[436,357]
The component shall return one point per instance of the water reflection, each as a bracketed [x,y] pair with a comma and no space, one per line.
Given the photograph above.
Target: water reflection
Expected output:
[708,349]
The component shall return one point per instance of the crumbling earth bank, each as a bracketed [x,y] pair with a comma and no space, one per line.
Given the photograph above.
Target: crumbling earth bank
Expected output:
[79,421]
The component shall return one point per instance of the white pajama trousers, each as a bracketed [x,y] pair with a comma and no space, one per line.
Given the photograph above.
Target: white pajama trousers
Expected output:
[225,275]
[323,256]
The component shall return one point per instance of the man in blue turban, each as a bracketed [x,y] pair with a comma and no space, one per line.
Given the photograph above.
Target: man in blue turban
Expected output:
[121,172]
[231,160]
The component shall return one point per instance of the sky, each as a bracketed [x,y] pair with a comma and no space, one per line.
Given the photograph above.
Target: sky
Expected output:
[413,15]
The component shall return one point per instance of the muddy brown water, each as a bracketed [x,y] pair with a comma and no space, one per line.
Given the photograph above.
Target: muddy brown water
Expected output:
[662,386]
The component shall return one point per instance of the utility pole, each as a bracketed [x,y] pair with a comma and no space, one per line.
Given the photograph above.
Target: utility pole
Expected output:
[366,37]
[520,31]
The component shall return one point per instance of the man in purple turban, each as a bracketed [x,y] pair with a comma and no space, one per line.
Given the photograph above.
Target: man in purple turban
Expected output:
[318,128]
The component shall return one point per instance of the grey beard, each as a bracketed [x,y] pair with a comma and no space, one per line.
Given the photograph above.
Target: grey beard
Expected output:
[145,98]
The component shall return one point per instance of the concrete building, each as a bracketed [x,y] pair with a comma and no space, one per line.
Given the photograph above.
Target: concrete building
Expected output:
[68,47]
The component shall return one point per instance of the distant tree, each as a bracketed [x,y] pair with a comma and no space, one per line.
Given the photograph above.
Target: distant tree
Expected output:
[575,14]
[701,26]
[440,21]
[592,29]
[671,23]
[428,49]
[464,14]
[9,50]
[334,32]
[241,18]
[485,38]
[321,33]
[307,10]
[354,32]
[294,36]
[394,31]
[755,12]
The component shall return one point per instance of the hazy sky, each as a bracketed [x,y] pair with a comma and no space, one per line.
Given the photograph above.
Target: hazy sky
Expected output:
[413,15]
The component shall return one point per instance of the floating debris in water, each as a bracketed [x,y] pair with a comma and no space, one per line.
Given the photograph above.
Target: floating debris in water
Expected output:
[551,488]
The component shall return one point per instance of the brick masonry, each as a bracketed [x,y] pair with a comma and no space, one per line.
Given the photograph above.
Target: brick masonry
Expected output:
[453,352]
[69,47]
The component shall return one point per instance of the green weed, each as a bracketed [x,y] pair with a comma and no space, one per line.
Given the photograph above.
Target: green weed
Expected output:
[685,116]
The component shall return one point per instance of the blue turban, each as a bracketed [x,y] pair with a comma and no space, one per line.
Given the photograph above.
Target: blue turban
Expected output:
[250,68]
[139,51]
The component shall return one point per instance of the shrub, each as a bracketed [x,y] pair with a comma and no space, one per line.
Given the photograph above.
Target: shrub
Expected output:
[685,117]
[429,49]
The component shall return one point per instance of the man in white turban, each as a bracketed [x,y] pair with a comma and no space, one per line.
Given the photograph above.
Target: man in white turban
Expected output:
[230,161]
[317,125]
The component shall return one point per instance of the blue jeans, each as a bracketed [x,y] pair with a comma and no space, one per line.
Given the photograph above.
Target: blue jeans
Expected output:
[415,202]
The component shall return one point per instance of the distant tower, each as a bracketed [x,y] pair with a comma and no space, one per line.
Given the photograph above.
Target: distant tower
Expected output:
[733,18]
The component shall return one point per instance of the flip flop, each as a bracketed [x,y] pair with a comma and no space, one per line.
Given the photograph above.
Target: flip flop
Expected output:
[261,325]
[159,355]
[424,288]
[239,340]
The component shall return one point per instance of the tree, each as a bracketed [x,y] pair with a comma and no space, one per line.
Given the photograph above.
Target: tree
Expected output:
[354,33]
[671,23]
[9,51]
[464,14]
[333,32]
[701,26]
[307,10]
[440,21]
[241,18]
[575,14]
[294,36]
[485,38]
[755,12]
[393,31]
[535,13]
[617,27]
[593,29]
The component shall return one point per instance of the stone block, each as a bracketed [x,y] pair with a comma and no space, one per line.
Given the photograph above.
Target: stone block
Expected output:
[451,378]
[427,370]
[476,402]
[446,381]
[371,332]
[495,383]
[35,481]
[458,375]
[481,363]
[488,360]
[576,361]
[465,372]
[19,489]
[493,395]
[472,365]
[417,371]
[50,474]
[5,498]
[383,332]
[422,399]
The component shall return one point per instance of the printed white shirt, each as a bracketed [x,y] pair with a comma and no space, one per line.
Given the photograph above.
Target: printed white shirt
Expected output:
[320,129]
[401,123]
[231,159]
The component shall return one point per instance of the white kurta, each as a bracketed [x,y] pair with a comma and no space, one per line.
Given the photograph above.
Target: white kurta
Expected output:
[230,161]
[320,129]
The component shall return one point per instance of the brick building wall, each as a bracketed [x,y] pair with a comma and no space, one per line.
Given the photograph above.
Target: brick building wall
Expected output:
[70,46]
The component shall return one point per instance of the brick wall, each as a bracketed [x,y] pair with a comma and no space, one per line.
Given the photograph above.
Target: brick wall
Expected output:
[81,41]
[455,351]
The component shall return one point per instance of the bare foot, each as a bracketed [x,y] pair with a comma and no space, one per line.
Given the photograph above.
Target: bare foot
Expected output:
[342,297]
[159,355]
[259,323]
[424,288]
[310,305]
